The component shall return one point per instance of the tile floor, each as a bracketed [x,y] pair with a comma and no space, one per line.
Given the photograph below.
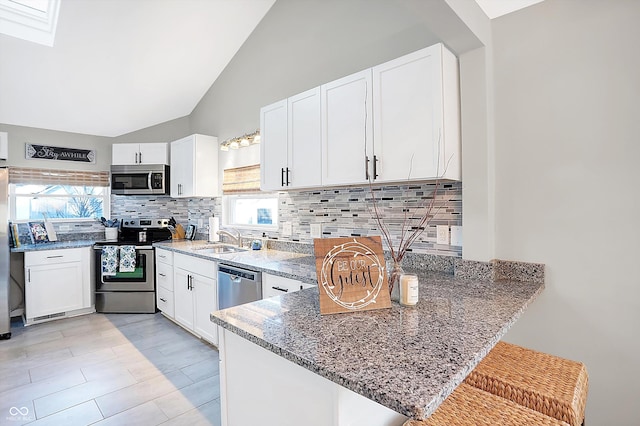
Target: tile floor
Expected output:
[108,369]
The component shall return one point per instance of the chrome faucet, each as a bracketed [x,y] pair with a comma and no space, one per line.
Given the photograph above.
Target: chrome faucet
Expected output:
[236,238]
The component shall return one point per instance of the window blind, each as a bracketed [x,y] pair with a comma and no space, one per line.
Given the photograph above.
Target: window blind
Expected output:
[58,177]
[241,179]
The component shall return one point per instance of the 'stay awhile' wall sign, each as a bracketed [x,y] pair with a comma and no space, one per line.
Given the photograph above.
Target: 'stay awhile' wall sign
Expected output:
[352,274]
[59,153]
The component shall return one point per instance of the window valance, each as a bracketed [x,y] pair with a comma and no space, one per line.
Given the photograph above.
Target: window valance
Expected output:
[58,177]
[241,179]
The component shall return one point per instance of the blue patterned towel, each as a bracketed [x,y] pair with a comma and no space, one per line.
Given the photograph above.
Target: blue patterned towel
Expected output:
[127,258]
[109,260]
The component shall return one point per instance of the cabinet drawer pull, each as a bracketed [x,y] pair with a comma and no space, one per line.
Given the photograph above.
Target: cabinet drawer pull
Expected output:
[54,257]
[161,274]
[281,289]
[164,300]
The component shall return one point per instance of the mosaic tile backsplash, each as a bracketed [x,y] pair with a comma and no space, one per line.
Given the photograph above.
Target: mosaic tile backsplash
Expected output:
[342,212]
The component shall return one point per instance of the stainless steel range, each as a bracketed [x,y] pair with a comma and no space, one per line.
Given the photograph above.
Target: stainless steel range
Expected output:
[125,269]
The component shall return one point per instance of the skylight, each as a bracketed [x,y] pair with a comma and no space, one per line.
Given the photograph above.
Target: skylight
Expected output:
[31,20]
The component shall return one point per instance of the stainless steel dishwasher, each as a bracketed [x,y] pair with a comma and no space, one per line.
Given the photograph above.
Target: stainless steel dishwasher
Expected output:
[237,286]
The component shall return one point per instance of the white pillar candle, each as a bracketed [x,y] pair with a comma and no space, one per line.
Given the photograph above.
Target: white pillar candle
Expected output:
[408,289]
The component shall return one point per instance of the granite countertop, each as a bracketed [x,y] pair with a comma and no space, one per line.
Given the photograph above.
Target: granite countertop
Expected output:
[408,359]
[55,245]
[286,264]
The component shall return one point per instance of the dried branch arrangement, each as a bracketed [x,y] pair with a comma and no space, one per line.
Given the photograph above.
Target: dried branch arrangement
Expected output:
[413,225]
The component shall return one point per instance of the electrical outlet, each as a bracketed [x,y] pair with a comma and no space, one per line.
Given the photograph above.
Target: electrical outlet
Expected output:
[316,230]
[442,234]
[456,236]
[286,229]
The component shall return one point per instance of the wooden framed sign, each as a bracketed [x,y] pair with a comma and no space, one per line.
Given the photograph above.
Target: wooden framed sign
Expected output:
[352,275]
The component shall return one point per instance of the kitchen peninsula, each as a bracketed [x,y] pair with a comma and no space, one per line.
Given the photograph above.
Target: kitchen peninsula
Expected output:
[283,363]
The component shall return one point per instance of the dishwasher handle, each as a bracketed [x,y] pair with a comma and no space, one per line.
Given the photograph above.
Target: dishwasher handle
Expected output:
[238,273]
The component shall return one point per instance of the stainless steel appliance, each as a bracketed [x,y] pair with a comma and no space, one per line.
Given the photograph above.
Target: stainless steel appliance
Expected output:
[143,179]
[5,316]
[237,286]
[132,291]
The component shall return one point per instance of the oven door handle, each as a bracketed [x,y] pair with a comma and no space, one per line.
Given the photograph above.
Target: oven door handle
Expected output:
[137,247]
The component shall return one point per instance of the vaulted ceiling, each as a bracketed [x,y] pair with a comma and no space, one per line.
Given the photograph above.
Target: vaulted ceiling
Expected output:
[122,65]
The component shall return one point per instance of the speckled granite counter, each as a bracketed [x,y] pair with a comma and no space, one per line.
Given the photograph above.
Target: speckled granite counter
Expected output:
[56,245]
[286,264]
[408,359]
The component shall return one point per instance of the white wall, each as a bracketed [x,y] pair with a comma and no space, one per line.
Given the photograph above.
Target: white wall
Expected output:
[567,84]
[19,136]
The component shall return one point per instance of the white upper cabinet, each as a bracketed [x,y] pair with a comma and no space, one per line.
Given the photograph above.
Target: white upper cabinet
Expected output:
[194,167]
[347,129]
[416,117]
[290,139]
[143,153]
[304,144]
[273,149]
[395,122]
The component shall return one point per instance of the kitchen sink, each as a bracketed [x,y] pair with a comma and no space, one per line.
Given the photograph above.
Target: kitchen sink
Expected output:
[219,249]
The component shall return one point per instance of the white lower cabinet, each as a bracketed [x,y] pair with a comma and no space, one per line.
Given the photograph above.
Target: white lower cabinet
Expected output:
[258,387]
[164,282]
[195,295]
[57,284]
[275,285]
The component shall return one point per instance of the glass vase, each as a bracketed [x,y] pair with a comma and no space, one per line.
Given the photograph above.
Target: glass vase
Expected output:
[394,280]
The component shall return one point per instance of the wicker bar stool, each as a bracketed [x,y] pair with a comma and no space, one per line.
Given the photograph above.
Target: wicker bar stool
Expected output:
[469,406]
[551,385]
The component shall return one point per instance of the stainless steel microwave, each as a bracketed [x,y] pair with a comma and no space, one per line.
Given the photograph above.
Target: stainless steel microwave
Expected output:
[141,179]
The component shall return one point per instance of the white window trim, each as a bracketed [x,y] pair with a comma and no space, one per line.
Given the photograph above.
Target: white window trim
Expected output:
[106,207]
[227,213]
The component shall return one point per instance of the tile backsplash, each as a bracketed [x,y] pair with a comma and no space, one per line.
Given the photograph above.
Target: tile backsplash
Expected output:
[341,212]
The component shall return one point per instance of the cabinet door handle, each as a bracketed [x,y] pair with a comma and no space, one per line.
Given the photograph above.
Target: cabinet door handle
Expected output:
[282,176]
[29,275]
[366,167]
[136,161]
[288,177]
[164,300]
[375,167]
[140,157]
[55,257]
[286,290]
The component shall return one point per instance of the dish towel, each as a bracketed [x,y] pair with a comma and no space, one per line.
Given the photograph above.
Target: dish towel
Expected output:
[109,260]
[127,259]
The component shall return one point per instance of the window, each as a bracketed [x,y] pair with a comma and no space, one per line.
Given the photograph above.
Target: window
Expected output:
[251,211]
[33,201]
